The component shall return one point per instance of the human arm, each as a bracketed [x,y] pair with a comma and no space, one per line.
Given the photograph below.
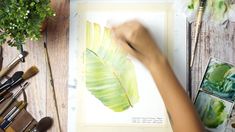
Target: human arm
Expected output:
[137,41]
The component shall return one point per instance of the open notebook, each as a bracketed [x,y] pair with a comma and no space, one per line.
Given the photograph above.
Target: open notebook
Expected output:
[98,105]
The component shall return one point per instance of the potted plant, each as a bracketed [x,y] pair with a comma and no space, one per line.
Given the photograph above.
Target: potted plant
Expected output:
[22,19]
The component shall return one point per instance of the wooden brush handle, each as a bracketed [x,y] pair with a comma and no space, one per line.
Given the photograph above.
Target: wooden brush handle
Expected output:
[3,109]
[4,71]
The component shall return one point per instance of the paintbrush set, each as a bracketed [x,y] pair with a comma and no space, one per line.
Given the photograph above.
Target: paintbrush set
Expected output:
[13,114]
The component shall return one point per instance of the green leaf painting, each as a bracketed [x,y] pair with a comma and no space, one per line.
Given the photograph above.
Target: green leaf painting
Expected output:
[110,75]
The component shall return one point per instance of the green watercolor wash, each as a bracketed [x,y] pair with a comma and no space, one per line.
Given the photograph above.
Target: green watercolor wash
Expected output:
[212,111]
[218,8]
[110,75]
[220,80]
[214,114]
[217,73]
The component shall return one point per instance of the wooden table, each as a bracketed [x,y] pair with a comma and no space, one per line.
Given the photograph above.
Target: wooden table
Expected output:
[214,41]
[40,97]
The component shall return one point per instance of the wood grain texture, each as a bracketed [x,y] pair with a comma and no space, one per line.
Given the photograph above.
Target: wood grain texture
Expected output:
[58,42]
[39,93]
[214,41]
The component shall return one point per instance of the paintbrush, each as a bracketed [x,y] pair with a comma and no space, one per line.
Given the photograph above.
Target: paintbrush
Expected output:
[27,125]
[12,110]
[9,120]
[15,96]
[201,9]
[16,76]
[52,84]
[28,74]
[5,97]
[12,64]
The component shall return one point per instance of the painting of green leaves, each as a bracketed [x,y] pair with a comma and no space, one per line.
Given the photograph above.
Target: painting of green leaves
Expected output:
[110,74]
[213,111]
[219,79]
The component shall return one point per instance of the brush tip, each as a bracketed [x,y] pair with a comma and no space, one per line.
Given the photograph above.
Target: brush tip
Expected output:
[30,72]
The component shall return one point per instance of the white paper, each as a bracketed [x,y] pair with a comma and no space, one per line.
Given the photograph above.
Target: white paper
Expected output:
[150,110]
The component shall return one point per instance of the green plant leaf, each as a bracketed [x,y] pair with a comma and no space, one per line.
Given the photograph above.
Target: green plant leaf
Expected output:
[110,75]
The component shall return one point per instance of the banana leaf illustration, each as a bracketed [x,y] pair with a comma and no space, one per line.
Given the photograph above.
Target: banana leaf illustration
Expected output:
[110,75]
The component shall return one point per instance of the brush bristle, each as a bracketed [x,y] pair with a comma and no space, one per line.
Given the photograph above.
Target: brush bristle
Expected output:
[30,72]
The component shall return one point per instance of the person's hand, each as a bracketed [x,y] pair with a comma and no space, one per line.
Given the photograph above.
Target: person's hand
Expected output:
[137,41]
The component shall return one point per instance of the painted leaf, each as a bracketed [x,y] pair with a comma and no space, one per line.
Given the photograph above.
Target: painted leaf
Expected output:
[110,75]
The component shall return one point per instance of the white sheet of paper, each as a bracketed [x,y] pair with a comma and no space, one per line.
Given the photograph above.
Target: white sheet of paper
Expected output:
[146,111]
[150,110]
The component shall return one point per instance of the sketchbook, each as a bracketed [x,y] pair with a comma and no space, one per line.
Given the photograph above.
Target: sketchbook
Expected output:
[108,89]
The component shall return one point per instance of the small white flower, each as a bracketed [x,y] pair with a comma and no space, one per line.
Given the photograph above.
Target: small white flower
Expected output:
[54,14]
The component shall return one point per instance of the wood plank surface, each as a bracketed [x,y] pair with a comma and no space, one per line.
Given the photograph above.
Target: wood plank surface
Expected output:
[39,93]
[215,41]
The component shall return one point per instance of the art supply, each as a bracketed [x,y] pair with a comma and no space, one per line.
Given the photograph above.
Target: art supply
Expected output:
[16,76]
[11,65]
[43,125]
[5,97]
[12,110]
[52,84]
[15,96]
[28,74]
[202,7]
[9,120]
[27,125]
[216,95]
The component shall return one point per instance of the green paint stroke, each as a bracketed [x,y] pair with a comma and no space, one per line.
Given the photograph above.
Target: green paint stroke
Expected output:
[211,110]
[214,114]
[110,75]
[220,80]
[218,8]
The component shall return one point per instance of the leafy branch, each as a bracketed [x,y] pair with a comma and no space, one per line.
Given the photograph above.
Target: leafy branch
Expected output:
[22,19]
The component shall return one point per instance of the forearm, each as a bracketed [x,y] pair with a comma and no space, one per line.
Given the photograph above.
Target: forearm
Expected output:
[182,112]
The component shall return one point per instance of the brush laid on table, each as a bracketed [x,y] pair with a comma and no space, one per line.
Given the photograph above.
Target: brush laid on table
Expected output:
[3,98]
[197,29]
[52,84]
[15,96]
[19,79]
[12,64]
[11,111]
[16,76]
[11,117]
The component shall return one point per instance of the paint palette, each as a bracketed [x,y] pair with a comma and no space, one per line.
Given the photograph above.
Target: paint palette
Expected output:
[215,98]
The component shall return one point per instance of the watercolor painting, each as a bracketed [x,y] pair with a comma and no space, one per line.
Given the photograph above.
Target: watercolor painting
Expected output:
[219,11]
[110,75]
[219,79]
[113,88]
[213,111]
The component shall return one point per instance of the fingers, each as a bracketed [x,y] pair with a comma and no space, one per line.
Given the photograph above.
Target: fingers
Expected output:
[125,30]
[125,46]
[125,35]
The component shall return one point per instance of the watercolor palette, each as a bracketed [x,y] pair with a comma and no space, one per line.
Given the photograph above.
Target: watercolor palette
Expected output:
[215,98]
